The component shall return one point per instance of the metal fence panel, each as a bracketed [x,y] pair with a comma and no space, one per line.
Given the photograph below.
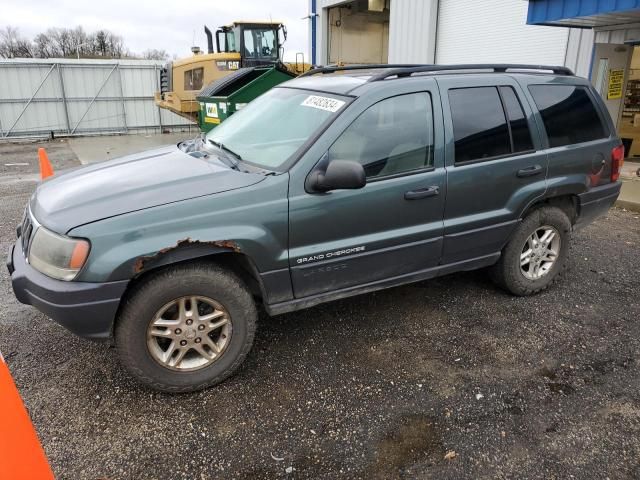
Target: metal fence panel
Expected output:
[75,97]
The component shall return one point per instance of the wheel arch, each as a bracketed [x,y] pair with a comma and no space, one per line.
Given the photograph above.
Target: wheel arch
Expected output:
[222,255]
[568,203]
[225,254]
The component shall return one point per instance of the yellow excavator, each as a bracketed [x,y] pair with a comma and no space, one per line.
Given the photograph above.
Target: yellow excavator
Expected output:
[239,45]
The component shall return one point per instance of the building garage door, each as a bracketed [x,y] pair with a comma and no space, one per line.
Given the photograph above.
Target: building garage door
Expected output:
[495,31]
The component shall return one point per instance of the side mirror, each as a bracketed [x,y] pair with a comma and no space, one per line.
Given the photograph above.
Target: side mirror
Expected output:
[339,175]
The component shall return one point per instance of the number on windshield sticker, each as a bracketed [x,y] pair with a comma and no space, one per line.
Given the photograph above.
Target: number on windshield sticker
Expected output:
[323,103]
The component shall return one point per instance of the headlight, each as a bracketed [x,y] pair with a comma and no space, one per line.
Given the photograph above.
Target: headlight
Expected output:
[57,256]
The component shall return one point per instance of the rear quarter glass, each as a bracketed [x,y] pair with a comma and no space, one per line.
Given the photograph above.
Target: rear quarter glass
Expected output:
[569,114]
[579,131]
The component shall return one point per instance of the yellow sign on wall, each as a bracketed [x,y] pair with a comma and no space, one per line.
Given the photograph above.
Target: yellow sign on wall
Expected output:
[616,81]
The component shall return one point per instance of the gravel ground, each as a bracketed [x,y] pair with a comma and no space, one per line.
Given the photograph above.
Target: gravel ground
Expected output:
[384,385]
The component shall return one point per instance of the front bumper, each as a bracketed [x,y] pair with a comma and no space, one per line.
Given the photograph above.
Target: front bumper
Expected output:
[86,309]
[596,202]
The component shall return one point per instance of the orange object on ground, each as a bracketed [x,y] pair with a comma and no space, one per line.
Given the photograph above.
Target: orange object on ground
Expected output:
[21,455]
[46,170]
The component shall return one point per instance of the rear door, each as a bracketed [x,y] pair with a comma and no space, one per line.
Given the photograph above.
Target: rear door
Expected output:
[495,163]
[391,227]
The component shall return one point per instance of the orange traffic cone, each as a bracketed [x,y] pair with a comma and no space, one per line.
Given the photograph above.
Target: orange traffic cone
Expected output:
[21,455]
[46,170]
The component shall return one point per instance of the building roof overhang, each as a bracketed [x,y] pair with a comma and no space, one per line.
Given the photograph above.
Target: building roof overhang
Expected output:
[583,13]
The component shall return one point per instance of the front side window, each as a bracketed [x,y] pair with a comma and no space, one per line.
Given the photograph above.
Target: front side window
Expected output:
[271,128]
[193,79]
[568,114]
[260,43]
[391,137]
[479,124]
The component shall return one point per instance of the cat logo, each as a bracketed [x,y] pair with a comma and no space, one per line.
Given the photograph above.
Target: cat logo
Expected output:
[228,65]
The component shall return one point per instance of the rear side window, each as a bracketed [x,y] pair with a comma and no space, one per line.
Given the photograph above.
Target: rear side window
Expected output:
[482,129]
[568,114]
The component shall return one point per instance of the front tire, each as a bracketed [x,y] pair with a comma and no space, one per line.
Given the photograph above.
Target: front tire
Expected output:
[186,328]
[536,254]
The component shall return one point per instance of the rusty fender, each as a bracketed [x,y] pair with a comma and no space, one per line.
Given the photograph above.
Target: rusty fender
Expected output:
[142,262]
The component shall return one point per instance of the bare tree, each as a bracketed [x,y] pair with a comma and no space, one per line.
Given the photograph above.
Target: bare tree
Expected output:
[69,42]
[78,41]
[62,40]
[107,44]
[12,45]
[44,47]
[98,41]
[117,47]
[155,54]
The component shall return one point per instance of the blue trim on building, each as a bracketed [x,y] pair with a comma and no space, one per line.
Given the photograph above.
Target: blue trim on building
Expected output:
[547,11]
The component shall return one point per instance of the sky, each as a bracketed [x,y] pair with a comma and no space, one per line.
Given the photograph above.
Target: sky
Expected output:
[163,25]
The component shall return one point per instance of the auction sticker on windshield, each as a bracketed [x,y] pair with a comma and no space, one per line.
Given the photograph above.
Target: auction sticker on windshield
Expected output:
[323,103]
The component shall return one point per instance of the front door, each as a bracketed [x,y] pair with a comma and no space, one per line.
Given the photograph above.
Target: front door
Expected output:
[391,227]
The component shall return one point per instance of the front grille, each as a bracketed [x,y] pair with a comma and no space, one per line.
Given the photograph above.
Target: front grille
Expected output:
[26,229]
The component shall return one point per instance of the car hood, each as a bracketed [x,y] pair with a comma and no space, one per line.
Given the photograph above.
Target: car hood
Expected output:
[134,182]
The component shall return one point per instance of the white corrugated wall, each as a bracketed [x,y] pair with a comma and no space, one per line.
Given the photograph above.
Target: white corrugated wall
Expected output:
[412,31]
[580,51]
[495,31]
[99,96]
[618,35]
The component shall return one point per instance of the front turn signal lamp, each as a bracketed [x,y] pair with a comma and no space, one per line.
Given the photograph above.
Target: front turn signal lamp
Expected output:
[57,256]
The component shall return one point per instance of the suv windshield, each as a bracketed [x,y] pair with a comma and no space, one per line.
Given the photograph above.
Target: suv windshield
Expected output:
[272,127]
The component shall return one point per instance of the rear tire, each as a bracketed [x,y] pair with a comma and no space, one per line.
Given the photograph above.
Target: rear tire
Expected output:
[530,262]
[186,328]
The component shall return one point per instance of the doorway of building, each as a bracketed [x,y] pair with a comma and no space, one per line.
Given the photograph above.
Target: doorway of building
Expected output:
[616,76]
[359,32]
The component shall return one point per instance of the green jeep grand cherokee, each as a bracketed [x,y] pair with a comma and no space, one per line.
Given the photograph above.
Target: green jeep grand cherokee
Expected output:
[340,182]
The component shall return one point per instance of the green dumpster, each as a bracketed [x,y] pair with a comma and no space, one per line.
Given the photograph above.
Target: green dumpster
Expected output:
[221,98]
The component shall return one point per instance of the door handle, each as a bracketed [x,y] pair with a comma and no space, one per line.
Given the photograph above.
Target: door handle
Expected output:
[422,193]
[529,171]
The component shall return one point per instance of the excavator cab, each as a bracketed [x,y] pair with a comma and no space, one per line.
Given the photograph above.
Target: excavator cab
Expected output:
[239,45]
[257,43]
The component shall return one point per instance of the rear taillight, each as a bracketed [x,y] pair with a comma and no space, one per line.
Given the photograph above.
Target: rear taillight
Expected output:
[617,159]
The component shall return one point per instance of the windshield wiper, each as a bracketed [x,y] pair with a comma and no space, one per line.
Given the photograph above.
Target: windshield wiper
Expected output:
[233,162]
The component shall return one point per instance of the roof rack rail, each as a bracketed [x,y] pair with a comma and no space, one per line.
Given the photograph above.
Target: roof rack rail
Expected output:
[360,66]
[406,70]
[497,68]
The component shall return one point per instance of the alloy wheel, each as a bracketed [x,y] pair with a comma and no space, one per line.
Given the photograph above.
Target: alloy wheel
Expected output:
[540,252]
[189,333]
